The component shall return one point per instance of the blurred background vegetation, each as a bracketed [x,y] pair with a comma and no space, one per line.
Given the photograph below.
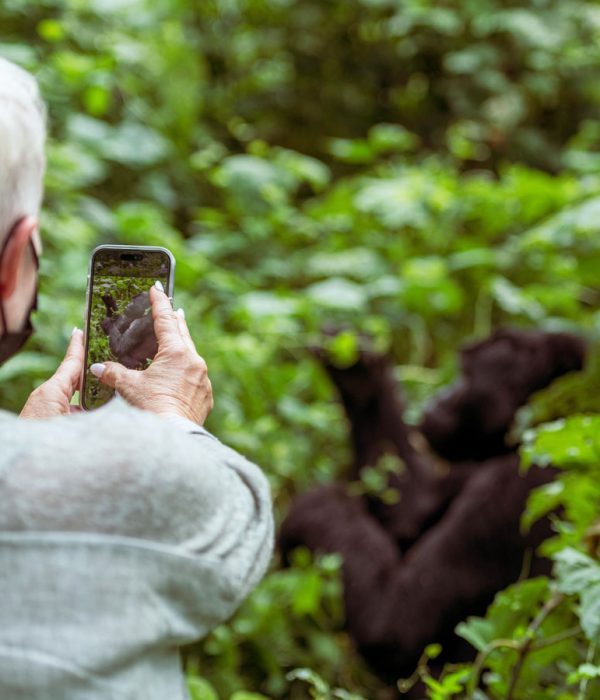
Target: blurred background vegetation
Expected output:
[418,171]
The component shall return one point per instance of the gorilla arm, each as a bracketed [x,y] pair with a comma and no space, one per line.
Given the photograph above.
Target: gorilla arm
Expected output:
[396,606]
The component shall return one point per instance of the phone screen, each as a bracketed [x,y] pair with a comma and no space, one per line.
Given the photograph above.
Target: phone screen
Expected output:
[119,318]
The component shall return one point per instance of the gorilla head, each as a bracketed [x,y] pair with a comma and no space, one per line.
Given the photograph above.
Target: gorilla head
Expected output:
[470,419]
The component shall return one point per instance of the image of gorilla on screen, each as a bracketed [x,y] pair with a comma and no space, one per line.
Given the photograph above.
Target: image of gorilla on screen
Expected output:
[130,332]
[121,328]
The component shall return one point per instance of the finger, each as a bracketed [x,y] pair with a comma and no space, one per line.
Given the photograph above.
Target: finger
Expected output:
[184,330]
[166,328]
[115,375]
[68,373]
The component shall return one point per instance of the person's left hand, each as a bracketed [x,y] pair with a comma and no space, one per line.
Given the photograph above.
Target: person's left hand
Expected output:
[53,397]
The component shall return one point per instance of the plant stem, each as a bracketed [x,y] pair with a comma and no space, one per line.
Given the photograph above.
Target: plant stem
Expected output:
[527,644]
[583,686]
[522,647]
[481,659]
[557,638]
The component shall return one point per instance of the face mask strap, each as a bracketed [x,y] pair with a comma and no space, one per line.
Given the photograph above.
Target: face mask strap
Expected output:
[2,253]
[12,341]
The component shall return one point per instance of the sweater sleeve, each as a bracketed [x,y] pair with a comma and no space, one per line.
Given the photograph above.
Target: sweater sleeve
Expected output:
[123,471]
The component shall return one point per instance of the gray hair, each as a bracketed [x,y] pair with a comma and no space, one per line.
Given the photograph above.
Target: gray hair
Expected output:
[22,139]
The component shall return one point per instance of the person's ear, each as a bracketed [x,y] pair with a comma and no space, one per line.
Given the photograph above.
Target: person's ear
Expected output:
[14,253]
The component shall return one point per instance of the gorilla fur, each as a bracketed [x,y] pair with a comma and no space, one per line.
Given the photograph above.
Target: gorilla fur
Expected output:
[413,570]
[130,334]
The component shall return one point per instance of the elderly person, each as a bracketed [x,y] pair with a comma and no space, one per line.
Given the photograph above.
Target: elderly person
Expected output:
[124,532]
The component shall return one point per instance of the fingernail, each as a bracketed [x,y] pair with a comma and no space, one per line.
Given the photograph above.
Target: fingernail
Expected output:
[97,369]
[75,329]
[181,312]
[158,285]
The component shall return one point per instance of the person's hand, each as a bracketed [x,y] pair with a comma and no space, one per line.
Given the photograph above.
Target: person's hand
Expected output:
[176,381]
[53,397]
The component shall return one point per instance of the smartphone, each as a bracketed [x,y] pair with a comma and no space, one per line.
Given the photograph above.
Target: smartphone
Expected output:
[118,319]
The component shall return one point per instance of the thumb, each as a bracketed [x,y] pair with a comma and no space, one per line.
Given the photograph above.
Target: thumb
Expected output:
[114,374]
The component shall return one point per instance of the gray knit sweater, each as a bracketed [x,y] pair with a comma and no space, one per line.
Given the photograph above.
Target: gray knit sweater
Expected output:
[122,536]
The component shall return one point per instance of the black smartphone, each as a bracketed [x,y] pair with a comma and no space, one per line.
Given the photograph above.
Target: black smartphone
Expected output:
[118,319]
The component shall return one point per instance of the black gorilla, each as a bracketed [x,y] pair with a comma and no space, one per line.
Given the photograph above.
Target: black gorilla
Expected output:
[415,569]
[498,375]
[130,334]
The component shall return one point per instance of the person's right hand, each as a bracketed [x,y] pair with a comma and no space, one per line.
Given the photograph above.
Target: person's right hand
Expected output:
[176,381]
[53,397]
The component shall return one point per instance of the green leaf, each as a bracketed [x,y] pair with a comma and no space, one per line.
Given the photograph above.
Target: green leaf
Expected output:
[28,363]
[313,679]
[352,150]
[541,501]
[476,631]
[307,598]
[392,137]
[570,442]
[514,301]
[578,574]
[585,671]
[264,304]
[51,30]
[359,263]
[509,614]
[250,176]
[200,689]
[339,293]
[432,651]
[303,168]
[135,145]
[343,349]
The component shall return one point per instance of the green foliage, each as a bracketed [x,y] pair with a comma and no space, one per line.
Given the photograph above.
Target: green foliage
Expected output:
[580,575]
[293,621]
[320,689]
[412,172]
[374,479]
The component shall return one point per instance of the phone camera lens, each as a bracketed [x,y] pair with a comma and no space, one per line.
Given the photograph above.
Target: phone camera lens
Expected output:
[132,256]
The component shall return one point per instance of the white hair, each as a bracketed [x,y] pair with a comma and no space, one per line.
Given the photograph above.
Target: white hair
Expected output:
[22,138]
